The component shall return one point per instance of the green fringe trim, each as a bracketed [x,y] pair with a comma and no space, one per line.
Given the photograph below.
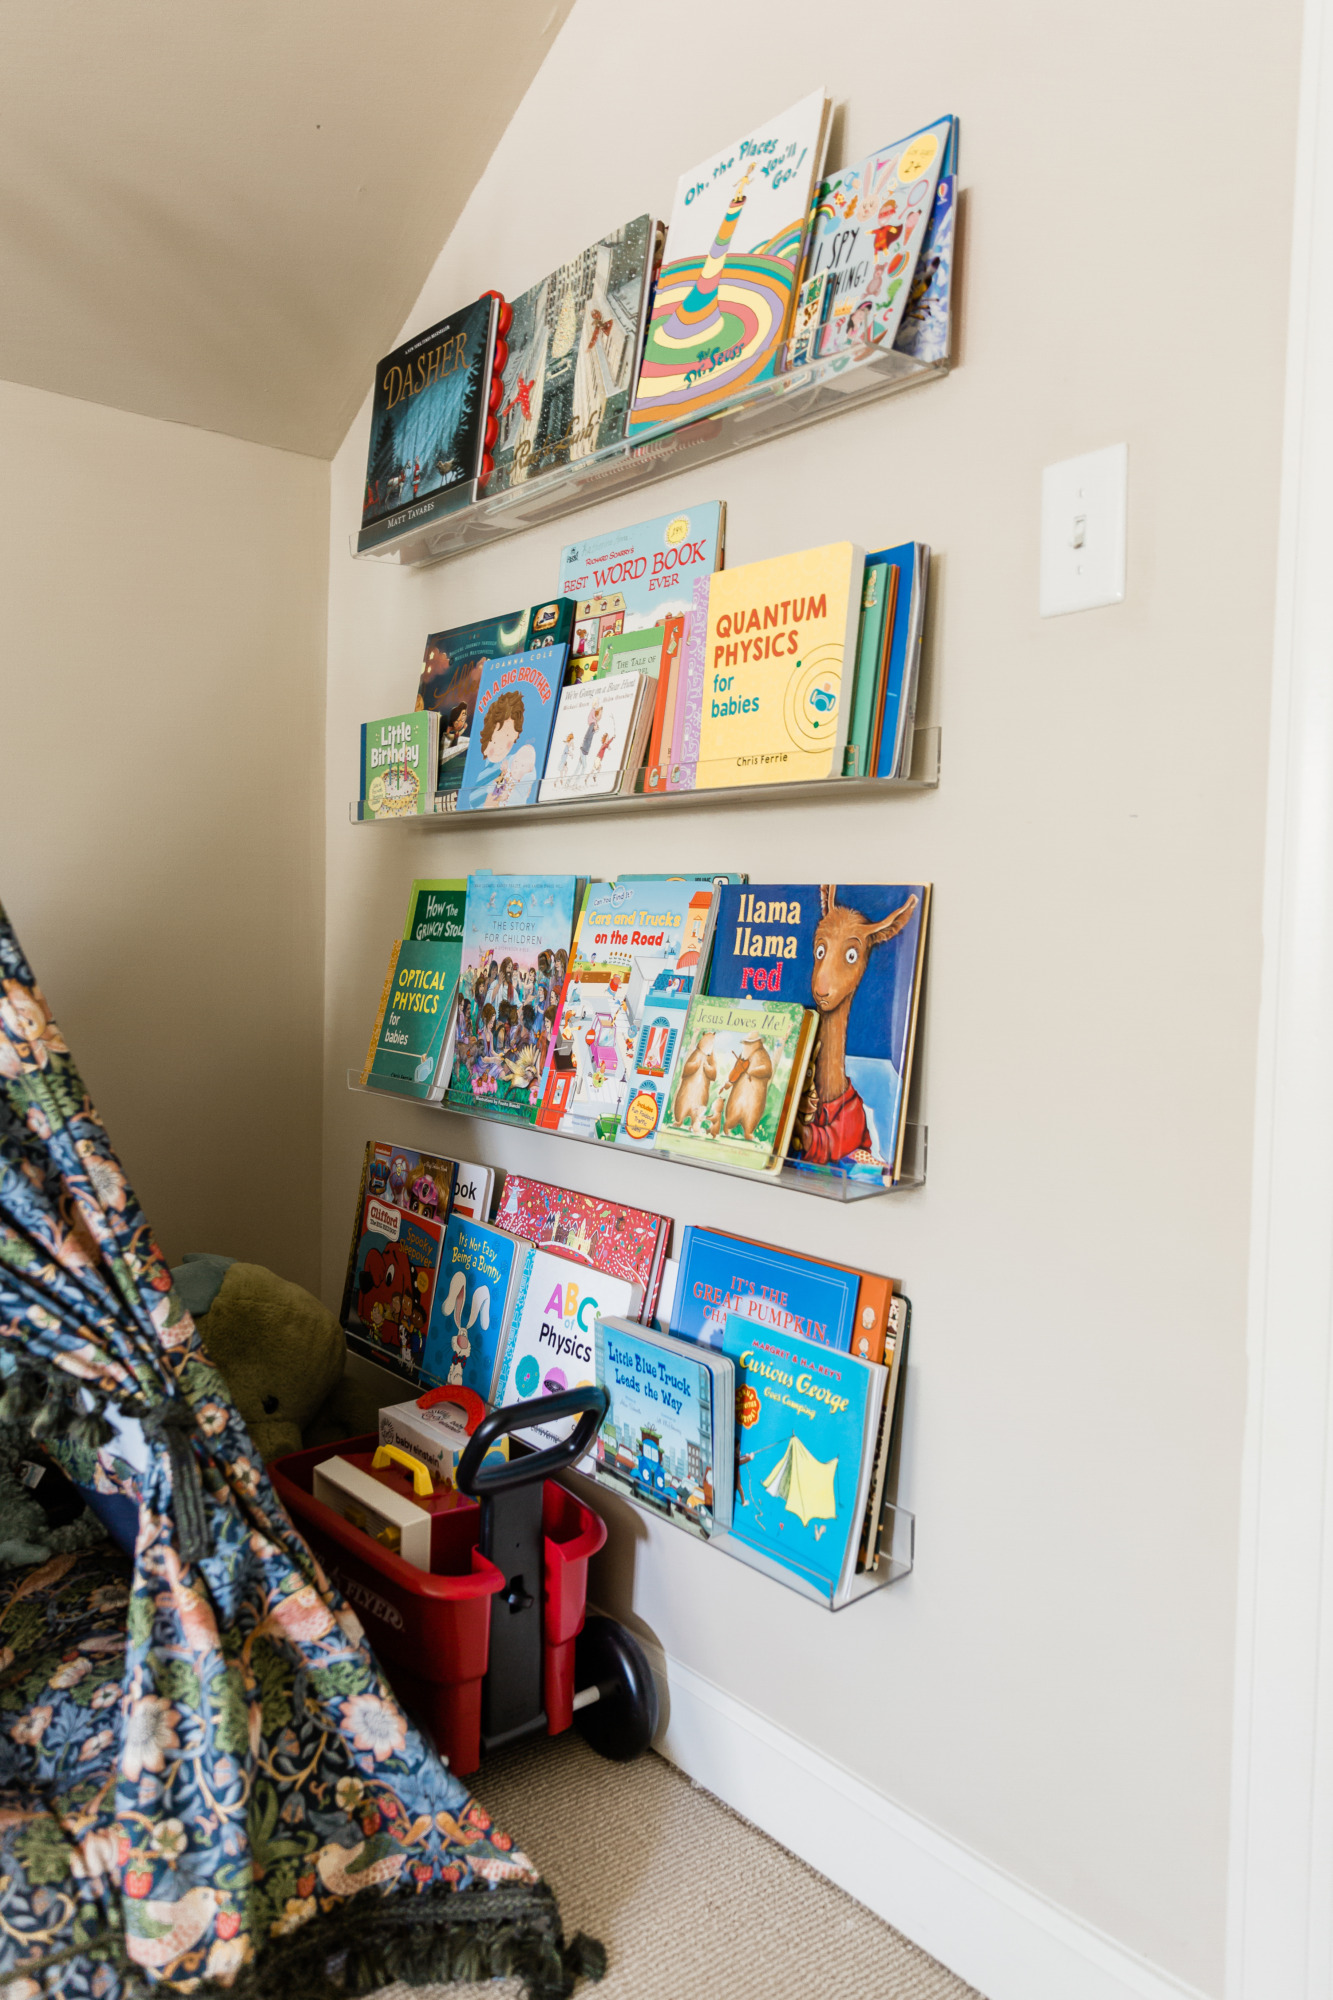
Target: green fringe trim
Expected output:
[510,1931]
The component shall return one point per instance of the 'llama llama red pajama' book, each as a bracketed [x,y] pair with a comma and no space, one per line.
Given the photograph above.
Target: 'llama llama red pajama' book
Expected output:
[855,954]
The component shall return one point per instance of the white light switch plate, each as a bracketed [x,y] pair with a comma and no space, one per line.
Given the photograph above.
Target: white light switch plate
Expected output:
[1083,531]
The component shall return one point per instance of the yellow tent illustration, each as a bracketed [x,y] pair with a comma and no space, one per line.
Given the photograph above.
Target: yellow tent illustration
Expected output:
[805,1483]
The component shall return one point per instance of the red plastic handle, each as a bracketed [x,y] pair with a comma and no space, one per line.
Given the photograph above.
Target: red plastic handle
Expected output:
[468,1401]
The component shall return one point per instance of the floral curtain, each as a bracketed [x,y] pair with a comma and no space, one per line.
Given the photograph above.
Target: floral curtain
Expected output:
[235,1800]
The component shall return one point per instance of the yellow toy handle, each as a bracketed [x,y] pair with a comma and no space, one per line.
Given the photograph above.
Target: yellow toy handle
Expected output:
[422,1483]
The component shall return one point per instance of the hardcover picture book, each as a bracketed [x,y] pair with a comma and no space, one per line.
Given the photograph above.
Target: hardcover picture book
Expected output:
[398,761]
[733,250]
[597,737]
[481,1271]
[635,578]
[855,954]
[516,934]
[807,1425]
[511,732]
[551,1339]
[626,1243]
[412,1044]
[393,1263]
[721,1275]
[428,424]
[781,636]
[450,680]
[668,1436]
[889,750]
[736,1082]
[574,354]
[867,230]
[924,332]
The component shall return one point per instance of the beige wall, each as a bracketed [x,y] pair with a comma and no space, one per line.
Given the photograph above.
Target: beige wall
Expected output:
[162,606]
[1052,1686]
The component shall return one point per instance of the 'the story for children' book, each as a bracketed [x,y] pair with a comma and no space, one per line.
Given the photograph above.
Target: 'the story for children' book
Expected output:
[668,1435]
[516,936]
[634,578]
[516,704]
[723,300]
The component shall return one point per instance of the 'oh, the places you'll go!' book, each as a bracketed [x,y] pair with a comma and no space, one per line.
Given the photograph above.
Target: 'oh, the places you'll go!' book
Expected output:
[723,301]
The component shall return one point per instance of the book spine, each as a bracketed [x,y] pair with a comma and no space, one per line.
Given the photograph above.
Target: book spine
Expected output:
[880,581]
[345,1310]
[690,694]
[381,1011]
[910,1046]
[902,761]
[872,1311]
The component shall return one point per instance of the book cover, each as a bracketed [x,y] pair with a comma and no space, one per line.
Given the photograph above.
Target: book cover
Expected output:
[593,737]
[658,752]
[435,910]
[516,934]
[896,705]
[652,1059]
[393,1263]
[737,1063]
[397,775]
[723,1275]
[877,601]
[632,579]
[807,319]
[807,1420]
[669,1410]
[631,653]
[924,332]
[428,423]
[451,675]
[413,1034]
[723,302]
[625,1243]
[515,712]
[874,1304]
[854,953]
[573,356]
[867,228]
[780,635]
[552,1330]
[480,1270]
[472,1191]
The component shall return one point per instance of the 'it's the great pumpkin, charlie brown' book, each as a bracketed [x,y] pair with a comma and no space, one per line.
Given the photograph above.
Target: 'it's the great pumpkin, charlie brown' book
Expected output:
[734,1091]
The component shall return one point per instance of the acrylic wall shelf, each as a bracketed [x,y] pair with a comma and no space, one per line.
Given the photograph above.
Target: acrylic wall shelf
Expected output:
[829,1187]
[785,403]
[923,776]
[897,1554]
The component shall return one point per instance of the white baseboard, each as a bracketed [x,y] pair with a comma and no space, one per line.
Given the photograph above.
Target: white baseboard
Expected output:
[1005,1940]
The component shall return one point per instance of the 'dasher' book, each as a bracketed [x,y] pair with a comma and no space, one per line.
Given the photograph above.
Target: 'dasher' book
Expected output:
[723,302]
[428,424]
[451,677]
[398,760]
[393,1263]
[516,934]
[668,1436]
[736,1083]
[574,348]
[807,1424]
[853,952]
[632,579]
[867,229]
[780,657]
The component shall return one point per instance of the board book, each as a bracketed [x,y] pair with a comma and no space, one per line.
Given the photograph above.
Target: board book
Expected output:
[574,348]
[397,767]
[511,732]
[855,954]
[451,677]
[723,302]
[428,424]
[632,579]
[736,1083]
[890,740]
[481,1271]
[867,228]
[550,1341]
[668,1436]
[516,933]
[878,598]
[393,1263]
[411,1048]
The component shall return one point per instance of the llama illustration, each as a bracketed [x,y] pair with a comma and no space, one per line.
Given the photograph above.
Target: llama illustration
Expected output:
[844,940]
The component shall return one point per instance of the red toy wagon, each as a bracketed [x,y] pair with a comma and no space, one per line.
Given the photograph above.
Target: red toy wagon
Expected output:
[491,1643]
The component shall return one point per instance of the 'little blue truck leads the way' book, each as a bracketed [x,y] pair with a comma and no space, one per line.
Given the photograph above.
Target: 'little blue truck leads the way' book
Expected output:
[667,1436]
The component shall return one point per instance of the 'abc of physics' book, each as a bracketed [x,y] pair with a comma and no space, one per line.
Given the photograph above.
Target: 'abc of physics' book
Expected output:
[778,669]
[867,229]
[634,578]
[516,934]
[574,348]
[853,952]
[723,300]
[428,424]
[550,1345]
[668,1434]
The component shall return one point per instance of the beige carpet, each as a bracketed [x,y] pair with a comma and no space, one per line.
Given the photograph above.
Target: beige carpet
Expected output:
[690,1901]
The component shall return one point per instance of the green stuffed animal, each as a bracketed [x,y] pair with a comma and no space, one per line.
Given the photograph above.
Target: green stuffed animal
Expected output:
[280,1352]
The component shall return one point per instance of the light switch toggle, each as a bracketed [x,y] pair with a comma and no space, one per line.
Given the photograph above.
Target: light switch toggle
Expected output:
[1083,506]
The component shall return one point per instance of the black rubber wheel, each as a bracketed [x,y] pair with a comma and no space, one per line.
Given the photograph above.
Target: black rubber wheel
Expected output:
[622,1722]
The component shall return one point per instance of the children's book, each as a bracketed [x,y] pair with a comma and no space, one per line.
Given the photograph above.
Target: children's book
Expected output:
[894,1362]
[596,735]
[516,934]
[574,350]
[481,1271]
[807,320]
[607,1236]
[924,333]
[435,911]
[806,1429]
[874,1304]
[550,1344]
[658,754]
[473,1187]
[780,635]
[394,1259]
[854,953]
[451,677]
[398,756]
[877,601]
[411,1049]
[506,753]
[662,1016]
[428,424]
[688,706]
[866,231]
[736,1083]
[668,1436]
[635,578]
[890,745]
[721,1275]
[630,653]
[722,307]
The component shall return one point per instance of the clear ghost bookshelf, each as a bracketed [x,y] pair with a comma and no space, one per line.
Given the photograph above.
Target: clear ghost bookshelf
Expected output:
[802,1180]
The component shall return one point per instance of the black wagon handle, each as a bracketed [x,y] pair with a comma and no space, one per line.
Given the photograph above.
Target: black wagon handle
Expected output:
[588,1403]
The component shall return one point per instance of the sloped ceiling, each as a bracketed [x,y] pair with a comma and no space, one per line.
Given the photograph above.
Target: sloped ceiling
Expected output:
[220,211]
